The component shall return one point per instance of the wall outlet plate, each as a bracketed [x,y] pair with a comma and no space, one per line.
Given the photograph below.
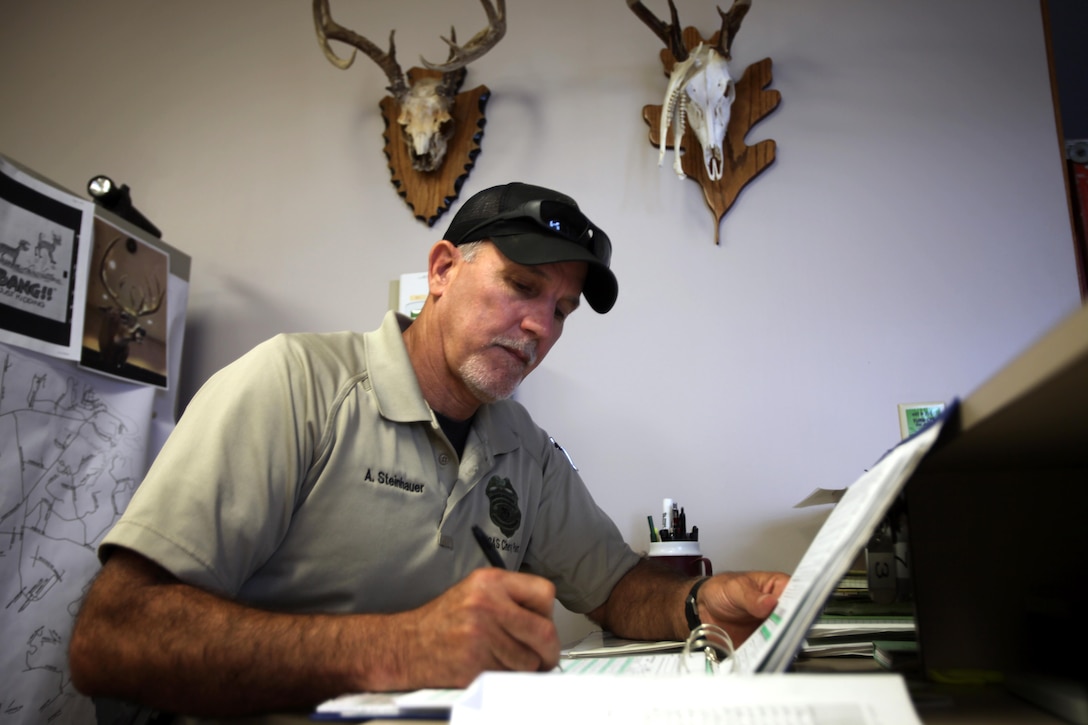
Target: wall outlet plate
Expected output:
[914,416]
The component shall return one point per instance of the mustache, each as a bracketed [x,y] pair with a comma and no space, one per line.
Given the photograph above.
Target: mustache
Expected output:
[527,348]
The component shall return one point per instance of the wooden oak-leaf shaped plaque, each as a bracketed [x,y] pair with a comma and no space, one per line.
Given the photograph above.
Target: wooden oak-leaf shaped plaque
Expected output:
[741,163]
[430,193]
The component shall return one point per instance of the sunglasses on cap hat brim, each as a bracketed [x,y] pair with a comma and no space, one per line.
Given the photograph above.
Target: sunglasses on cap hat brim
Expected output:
[556,218]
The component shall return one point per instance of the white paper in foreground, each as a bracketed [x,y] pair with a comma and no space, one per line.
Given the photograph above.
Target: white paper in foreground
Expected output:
[501,698]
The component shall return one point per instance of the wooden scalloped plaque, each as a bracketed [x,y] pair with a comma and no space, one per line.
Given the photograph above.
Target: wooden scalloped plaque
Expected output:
[741,163]
[430,193]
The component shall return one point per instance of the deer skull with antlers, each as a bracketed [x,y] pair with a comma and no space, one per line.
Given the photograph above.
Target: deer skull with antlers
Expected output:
[701,88]
[425,104]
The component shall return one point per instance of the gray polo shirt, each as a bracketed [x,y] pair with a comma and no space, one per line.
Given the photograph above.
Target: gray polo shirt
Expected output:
[311,475]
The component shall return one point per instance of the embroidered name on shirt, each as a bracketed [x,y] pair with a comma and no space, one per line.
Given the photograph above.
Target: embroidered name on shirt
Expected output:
[390,479]
[504,544]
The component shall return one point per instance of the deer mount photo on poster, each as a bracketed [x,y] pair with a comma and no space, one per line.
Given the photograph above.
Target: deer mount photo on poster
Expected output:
[432,129]
[708,109]
[126,331]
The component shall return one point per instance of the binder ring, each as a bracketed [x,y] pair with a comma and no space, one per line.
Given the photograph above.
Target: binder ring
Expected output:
[713,641]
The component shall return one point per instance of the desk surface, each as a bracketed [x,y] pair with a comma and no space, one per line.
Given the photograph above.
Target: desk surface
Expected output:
[978,706]
[948,704]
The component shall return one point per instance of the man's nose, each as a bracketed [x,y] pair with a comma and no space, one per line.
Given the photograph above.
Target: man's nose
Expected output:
[539,320]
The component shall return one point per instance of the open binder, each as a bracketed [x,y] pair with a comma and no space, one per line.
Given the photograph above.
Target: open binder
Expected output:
[708,649]
[828,558]
[842,537]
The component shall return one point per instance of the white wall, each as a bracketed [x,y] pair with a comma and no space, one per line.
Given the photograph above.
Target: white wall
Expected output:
[911,237]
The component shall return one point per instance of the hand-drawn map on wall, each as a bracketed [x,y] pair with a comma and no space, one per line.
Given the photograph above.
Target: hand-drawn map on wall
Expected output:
[71,453]
[74,445]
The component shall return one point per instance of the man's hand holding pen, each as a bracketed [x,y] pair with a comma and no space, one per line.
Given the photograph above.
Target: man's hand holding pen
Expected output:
[491,620]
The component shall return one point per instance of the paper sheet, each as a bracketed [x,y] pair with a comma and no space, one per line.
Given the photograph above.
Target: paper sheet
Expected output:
[499,698]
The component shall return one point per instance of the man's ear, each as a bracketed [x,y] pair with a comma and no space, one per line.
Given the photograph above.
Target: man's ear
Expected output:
[441,264]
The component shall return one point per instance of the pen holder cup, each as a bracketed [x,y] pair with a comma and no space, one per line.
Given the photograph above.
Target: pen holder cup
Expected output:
[684,556]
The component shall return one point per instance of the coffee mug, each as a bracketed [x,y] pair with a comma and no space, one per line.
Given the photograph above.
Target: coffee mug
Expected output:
[684,556]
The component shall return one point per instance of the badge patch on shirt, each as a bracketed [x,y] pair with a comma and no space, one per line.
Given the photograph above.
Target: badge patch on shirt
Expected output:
[504,505]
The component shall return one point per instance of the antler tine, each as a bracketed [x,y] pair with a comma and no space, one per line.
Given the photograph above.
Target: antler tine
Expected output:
[328,29]
[669,33]
[102,273]
[153,292]
[730,25]
[483,41]
[451,79]
[137,301]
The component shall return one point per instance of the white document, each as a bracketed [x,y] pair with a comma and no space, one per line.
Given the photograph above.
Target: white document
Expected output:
[676,663]
[821,497]
[606,644]
[501,698]
[45,252]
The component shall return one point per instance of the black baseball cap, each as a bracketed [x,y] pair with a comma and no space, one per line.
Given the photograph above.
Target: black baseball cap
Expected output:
[533,225]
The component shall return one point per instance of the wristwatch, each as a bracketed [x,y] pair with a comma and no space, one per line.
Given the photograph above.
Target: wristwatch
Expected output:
[691,605]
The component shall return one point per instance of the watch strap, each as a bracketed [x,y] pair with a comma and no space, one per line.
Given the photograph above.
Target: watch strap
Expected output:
[691,605]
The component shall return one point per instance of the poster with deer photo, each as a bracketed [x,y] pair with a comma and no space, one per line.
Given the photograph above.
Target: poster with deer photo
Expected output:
[125,331]
[44,244]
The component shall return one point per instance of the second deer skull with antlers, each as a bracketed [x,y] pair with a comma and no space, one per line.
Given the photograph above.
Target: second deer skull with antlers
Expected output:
[425,104]
[701,89]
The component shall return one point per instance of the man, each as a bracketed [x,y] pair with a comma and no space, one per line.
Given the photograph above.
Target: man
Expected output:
[306,531]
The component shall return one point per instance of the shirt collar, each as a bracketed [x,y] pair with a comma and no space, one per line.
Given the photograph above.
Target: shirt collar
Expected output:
[391,373]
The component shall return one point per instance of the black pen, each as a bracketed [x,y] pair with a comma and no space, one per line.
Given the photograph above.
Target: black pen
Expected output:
[488,548]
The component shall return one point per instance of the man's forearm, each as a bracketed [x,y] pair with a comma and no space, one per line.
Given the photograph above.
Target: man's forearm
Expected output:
[647,603]
[145,637]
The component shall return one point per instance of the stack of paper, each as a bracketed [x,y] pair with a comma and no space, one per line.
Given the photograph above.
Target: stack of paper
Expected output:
[606,644]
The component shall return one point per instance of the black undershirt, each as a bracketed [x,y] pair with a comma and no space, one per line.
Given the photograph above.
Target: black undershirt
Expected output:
[456,431]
